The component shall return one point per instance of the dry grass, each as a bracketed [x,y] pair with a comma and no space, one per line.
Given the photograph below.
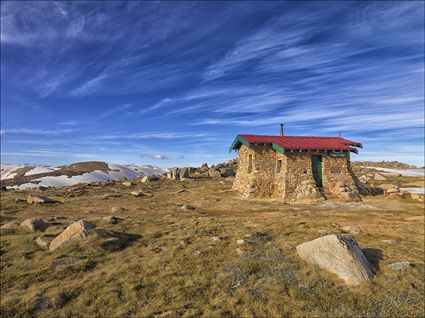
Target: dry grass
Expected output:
[168,264]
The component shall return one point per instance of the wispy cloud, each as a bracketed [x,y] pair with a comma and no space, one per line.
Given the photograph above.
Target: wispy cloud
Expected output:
[140,77]
[47,132]
[154,156]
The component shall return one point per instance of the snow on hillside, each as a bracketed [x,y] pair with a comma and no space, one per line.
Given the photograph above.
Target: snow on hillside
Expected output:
[403,172]
[116,172]
[40,169]
[8,171]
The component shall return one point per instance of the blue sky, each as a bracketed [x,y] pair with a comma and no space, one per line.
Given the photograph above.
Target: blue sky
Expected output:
[172,83]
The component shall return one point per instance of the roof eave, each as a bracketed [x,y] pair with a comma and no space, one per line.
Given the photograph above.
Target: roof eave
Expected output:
[238,140]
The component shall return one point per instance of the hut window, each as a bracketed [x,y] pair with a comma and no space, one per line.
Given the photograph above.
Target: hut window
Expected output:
[279,166]
[249,163]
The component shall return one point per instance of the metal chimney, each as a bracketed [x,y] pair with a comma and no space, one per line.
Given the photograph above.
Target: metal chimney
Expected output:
[281,130]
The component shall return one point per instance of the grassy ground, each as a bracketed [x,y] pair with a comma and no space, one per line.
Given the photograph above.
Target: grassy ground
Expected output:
[185,263]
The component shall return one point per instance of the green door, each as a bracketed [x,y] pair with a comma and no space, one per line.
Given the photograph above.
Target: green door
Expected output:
[316,164]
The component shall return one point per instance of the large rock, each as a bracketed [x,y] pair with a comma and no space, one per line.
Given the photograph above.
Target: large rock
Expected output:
[399,266]
[117,209]
[34,224]
[184,173]
[137,193]
[227,172]
[174,174]
[214,173]
[35,199]
[75,231]
[338,254]
[379,177]
[149,179]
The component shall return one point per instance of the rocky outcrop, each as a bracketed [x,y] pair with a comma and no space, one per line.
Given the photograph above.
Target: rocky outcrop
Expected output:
[338,254]
[75,231]
[10,225]
[379,177]
[149,179]
[34,224]
[38,199]
[214,173]
[43,241]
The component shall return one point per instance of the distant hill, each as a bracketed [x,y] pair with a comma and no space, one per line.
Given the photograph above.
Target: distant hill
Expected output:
[384,164]
[30,176]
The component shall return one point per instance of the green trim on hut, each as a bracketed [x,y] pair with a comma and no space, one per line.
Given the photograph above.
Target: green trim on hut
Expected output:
[240,140]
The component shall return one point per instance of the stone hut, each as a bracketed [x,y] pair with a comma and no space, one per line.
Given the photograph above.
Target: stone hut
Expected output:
[295,168]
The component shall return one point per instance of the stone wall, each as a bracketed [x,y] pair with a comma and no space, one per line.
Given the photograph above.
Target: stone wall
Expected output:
[336,171]
[298,170]
[260,180]
[294,182]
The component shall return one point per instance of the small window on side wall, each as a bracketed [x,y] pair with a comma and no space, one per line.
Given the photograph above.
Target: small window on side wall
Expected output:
[249,163]
[279,166]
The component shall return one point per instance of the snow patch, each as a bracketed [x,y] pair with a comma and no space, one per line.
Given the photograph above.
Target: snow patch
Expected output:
[403,172]
[8,171]
[414,190]
[40,169]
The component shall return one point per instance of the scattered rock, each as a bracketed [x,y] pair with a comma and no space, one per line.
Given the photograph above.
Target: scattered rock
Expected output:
[38,199]
[111,219]
[149,179]
[379,177]
[188,207]
[351,229]
[323,232]
[227,172]
[216,239]
[214,173]
[34,224]
[56,218]
[350,196]
[364,179]
[240,242]
[390,242]
[417,197]
[3,188]
[399,266]
[111,244]
[184,173]
[174,174]
[43,241]
[117,209]
[75,231]
[338,254]
[182,190]
[127,184]
[63,261]
[10,225]
[239,251]
[137,193]
[19,200]
[111,195]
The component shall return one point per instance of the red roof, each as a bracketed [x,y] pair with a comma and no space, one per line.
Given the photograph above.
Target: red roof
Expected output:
[298,142]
